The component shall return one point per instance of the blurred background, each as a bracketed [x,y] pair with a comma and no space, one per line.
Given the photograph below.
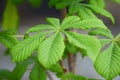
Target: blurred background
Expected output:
[30,16]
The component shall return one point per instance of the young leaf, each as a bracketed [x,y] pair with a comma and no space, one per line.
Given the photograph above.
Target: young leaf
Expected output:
[75,22]
[37,73]
[35,3]
[54,22]
[39,28]
[51,50]
[100,11]
[10,17]
[89,43]
[26,47]
[103,32]
[85,13]
[107,63]
[8,40]
[18,71]
[69,21]
[99,3]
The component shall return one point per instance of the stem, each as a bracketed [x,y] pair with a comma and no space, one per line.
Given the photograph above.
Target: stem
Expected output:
[63,12]
[64,69]
[71,62]
[50,77]
[71,57]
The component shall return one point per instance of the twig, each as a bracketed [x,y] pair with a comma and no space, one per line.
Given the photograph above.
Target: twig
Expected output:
[64,69]
[71,62]
[50,77]
[63,12]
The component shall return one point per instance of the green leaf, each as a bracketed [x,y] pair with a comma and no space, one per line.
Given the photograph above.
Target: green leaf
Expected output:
[75,22]
[10,17]
[54,22]
[105,41]
[25,48]
[51,50]
[35,3]
[4,74]
[100,11]
[89,43]
[72,76]
[8,40]
[39,28]
[68,21]
[85,13]
[56,68]
[37,73]
[99,3]
[102,31]
[18,71]
[107,63]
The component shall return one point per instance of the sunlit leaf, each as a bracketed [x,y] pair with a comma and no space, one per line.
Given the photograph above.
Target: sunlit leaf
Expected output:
[89,43]
[51,50]
[25,48]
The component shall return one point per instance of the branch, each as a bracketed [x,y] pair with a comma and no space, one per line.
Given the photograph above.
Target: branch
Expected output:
[50,77]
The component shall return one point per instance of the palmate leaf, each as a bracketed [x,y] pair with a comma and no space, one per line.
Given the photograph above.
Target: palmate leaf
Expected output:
[10,17]
[51,50]
[26,47]
[100,11]
[8,40]
[89,43]
[75,22]
[107,63]
[99,3]
[37,73]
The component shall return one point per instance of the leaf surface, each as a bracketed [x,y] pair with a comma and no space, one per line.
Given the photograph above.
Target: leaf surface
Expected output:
[107,63]
[89,43]
[51,50]
[25,48]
